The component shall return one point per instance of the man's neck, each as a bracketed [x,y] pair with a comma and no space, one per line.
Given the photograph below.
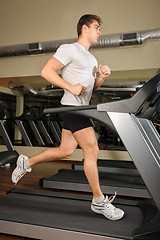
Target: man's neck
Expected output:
[84,43]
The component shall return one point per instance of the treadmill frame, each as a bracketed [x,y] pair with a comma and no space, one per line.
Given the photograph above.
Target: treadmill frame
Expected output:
[142,131]
[47,233]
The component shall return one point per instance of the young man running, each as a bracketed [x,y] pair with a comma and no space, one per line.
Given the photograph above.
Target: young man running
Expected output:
[78,67]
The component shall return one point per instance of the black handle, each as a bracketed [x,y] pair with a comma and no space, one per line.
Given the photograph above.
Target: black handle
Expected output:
[69,108]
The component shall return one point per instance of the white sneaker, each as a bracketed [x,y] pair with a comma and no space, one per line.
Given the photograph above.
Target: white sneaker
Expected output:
[20,170]
[107,209]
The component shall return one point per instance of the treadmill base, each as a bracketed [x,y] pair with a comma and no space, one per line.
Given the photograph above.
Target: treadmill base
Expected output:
[42,215]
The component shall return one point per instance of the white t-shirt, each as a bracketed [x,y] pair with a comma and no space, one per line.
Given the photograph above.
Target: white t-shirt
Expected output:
[80,67]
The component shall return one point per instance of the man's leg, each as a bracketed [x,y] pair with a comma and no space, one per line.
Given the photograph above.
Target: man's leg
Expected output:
[65,150]
[87,141]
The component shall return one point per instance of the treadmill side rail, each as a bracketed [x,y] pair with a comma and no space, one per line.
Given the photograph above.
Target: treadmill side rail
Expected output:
[46,233]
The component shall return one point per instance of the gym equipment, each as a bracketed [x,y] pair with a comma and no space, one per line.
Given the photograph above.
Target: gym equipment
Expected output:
[3,132]
[144,103]
[10,156]
[75,180]
[54,127]
[29,116]
[45,132]
[112,166]
[39,134]
[48,126]
[114,175]
[46,215]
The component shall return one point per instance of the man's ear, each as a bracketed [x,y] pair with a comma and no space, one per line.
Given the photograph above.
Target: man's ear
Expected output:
[84,28]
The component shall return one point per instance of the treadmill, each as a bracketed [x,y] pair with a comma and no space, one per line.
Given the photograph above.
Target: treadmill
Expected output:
[50,130]
[75,180]
[115,176]
[111,166]
[10,156]
[48,215]
[54,127]
[29,116]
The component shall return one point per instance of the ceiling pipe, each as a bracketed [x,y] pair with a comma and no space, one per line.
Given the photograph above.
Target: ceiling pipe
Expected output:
[105,41]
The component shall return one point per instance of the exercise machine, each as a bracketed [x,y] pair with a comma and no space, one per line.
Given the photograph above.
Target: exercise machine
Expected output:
[46,215]
[29,116]
[125,181]
[111,166]
[54,127]
[50,130]
[75,180]
[10,156]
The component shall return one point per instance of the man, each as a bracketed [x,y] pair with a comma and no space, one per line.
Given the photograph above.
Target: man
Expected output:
[78,67]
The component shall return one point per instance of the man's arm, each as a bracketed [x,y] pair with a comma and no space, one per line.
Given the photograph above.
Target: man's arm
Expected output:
[49,72]
[104,72]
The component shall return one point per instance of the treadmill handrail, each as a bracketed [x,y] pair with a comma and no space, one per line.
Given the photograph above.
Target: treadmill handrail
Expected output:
[146,96]
[69,108]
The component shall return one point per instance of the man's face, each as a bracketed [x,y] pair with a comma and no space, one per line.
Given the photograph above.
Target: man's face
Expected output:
[93,32]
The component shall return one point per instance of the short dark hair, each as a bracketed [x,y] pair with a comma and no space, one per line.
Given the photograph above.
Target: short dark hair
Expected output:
[87,20]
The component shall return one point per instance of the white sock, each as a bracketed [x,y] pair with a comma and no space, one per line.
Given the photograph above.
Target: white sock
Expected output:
[26,163]
[99,200]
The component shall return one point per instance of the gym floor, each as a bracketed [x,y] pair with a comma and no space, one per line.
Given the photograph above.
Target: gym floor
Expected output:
[29,181]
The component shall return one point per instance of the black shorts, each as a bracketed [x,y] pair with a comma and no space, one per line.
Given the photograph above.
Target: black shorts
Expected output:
[74,122]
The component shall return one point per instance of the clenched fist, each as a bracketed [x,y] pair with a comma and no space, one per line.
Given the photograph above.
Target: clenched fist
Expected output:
[77,89]
[104,71]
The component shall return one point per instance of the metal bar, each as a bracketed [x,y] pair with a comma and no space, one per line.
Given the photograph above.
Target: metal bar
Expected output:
[70,108]
[24,133]
[5,137]
[54,131]
[44,132]
[36,133]
[58,130]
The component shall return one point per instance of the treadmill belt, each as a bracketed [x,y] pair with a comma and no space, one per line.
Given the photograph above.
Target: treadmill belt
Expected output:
[65,213]
[75,180]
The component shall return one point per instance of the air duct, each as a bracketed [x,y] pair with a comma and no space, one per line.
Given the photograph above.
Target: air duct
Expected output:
[106,41]
[126,39]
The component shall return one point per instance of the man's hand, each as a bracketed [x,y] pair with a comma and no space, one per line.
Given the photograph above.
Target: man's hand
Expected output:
[77,89]
[104,71]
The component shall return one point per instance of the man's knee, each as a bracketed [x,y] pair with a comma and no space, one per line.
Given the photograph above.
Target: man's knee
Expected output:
[96,151]
[66,153]
[92,150]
